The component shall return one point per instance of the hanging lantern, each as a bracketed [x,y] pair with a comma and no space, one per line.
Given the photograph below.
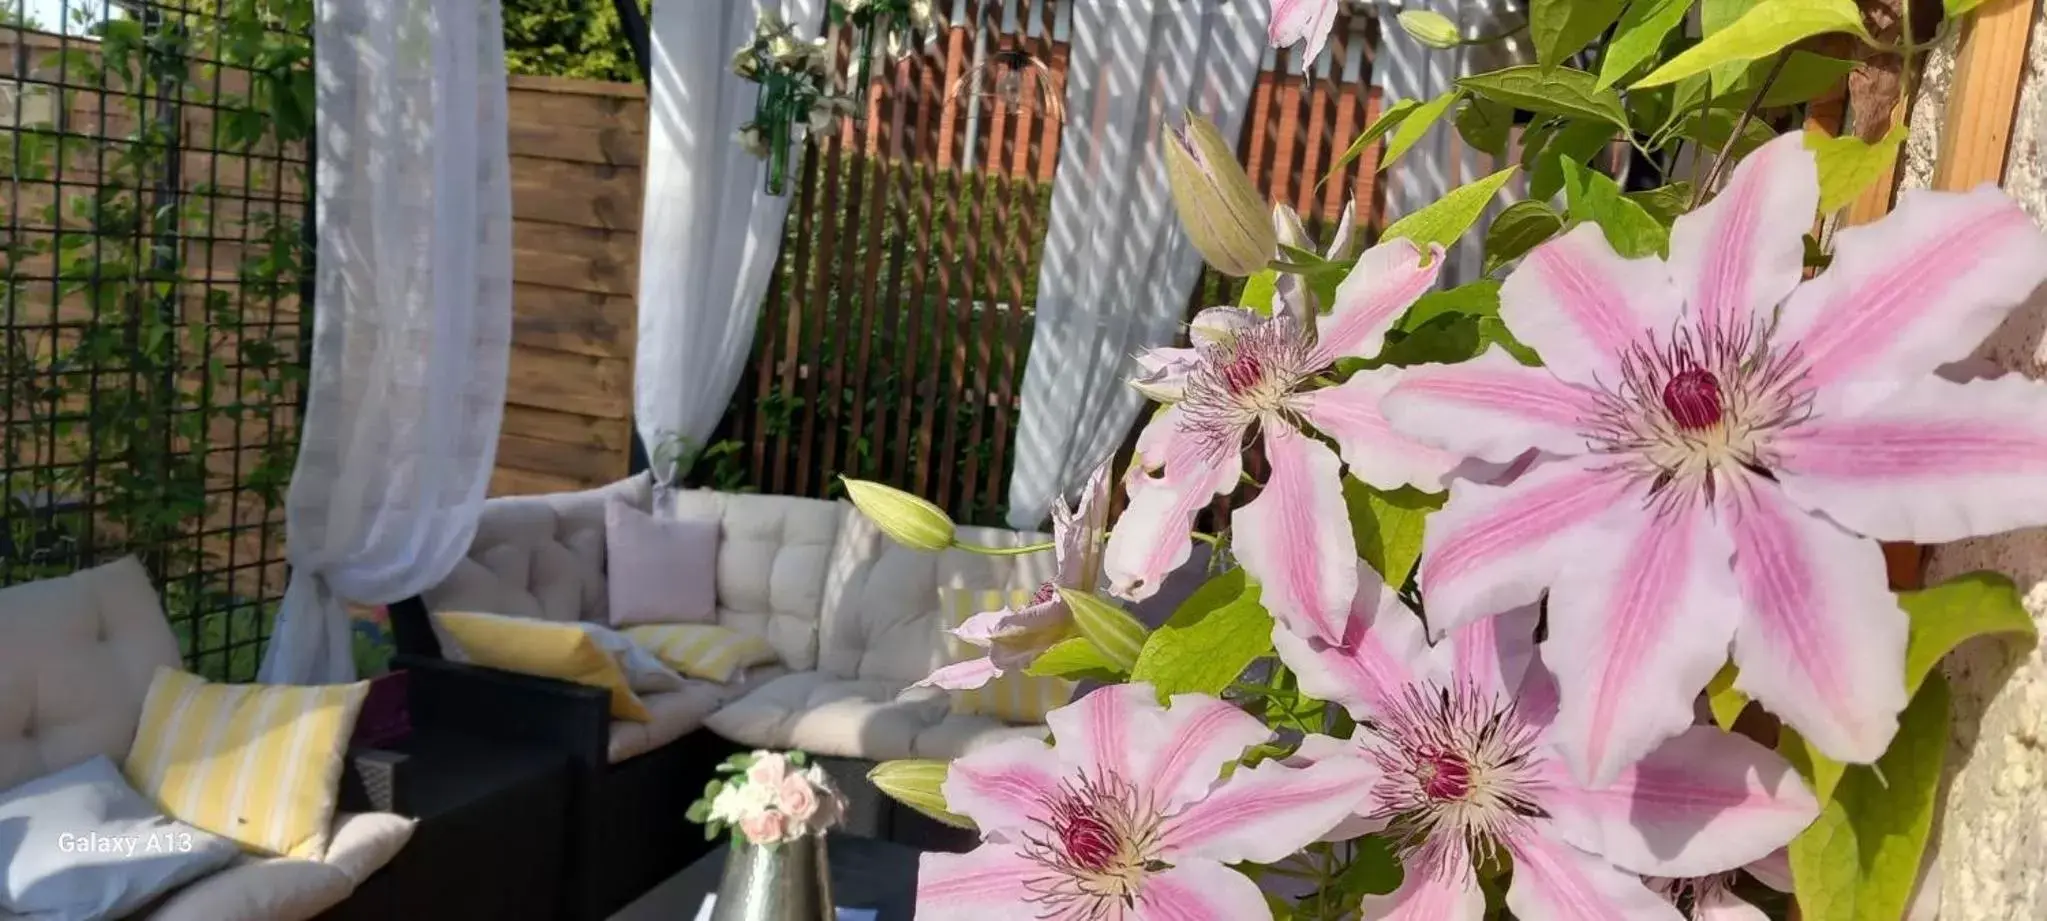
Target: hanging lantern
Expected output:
[1014,81]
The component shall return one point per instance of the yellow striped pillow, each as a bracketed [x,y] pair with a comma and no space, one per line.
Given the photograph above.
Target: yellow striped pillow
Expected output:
[705,651]
[257,764]
[1014,697]
[545,649]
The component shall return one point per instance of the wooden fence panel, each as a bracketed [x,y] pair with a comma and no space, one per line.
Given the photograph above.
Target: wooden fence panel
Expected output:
[576,149]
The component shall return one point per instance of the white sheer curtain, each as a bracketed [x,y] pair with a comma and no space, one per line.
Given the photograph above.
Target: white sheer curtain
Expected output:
[1118,270]
[709,232]
[412,316]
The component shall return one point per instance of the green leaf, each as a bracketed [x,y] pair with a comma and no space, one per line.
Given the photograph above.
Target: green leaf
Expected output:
[1076,659]
[1848,165]
[1712,127]
[1860,860]
[1962,608]
[1416,125]
[1597,198]
[1259,290]
[1447,339]
[1210,639]
[1388,526]
[1481,298]
[1955,8]
[1486,125]
[1387,121]
[1520,228]
[1721,697]
[1664,203]
[1561,27]
[1446,220]
[1639,37]
[1118,635]
[1374,869]
[1767,28]
[1687,95]
[1577,143]
[1558,91]
[1493,330]
[1804,77]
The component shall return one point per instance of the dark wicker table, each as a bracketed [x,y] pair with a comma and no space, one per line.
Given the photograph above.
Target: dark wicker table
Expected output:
[866,873]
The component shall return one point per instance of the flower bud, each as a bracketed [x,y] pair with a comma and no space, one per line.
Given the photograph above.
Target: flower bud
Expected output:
[911,521]
[916,783]
[1223,213]
[1430,28]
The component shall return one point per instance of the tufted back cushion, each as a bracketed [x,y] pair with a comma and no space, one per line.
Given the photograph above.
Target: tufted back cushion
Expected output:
[772,555]
[538,556]
[882,613]
[76,656]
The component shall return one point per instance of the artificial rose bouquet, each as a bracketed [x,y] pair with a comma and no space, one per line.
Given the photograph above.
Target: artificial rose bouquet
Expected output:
[1518,555]
[768,797]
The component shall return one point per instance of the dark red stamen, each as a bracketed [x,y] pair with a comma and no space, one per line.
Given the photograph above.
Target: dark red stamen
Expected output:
[1243,372]
[1044,594]
[1693,398]
[1445,775]
[1088,841]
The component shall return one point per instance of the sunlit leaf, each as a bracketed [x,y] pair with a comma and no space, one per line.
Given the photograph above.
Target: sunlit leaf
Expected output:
[1387,526]
[1848,164]
[1561,27]
[1639,36]
[1416,125]
[1387,121]
[1767,28]
[1555,91]
[1210,639]
[1448,218]
[1629,229]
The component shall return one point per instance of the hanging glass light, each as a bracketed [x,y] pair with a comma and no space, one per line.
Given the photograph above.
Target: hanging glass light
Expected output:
[1016,81]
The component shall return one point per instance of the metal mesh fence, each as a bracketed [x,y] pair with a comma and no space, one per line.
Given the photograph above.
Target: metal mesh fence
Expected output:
[154,313]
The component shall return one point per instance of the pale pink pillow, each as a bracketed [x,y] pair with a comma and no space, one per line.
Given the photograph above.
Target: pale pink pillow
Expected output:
[661,570]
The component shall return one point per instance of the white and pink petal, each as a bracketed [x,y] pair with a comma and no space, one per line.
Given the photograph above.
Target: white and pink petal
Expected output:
[1703,803]
[1636,629]
[1491,407]
[1450,894]
[1821,641]
[1351,414]
[1004,787]
[1495,548]
[1386,280]
[1383,650]
[1191,890]
[963,676]
[1111,731]
[1264,813]
[979,884]
[1295,540]
[1554,881]
[1582,306]
[1173,478]
[1198,735]
[1931,462]
[1735,259]
[1916,290]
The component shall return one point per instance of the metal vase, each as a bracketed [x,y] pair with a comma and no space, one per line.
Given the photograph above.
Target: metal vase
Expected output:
[790,881]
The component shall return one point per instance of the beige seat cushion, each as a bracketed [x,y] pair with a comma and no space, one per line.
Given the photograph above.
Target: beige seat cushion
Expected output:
[772,557]
[671,715]
[361,843]
[962,734]
[259,889]
[827,715]
[76,657]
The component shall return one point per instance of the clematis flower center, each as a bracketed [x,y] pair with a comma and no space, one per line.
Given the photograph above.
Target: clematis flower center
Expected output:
[1046,591]
[1688,412]
[1458,770]
[1693,398]
[1097,840]
[1245,378]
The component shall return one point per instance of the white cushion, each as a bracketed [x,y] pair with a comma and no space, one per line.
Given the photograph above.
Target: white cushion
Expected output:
[827,715]
[76,657]
[772,556]
[361,843]
[882,617]
[259,889]
[672,715]
[962,734]
[538,556]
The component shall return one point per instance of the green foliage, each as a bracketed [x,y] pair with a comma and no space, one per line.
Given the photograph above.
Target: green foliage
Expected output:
[1113,632]
[1078,659]
[1639,37]
[1388,120]
[1416,124]
[1629,229]
[1443,222]
[1387,526]
[1765,29]
[169,350]
[568,38]
[1562,27]
[1208,642]
[1520,228]
[1860,860]
[1848,165]
[1558,91]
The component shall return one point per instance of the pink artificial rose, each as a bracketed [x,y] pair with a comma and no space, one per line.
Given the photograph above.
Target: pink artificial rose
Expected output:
[797,799]
[768,771]
[764,827]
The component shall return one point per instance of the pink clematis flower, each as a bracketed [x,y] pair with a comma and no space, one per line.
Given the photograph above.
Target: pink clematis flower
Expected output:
[1715,465]
[1248,371]
[1459,735]
[1125,819]
[1015,637]
[1302,21]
